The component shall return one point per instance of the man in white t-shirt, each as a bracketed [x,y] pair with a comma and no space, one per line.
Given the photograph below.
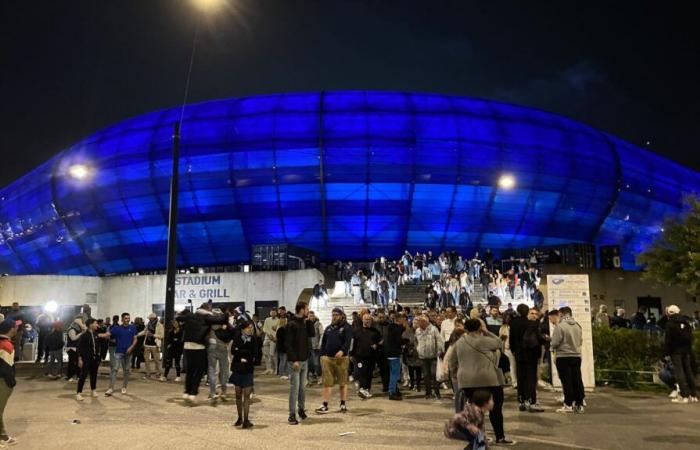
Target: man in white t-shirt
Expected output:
[448,324]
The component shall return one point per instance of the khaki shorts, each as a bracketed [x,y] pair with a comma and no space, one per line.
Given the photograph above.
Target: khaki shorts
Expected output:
[334,371]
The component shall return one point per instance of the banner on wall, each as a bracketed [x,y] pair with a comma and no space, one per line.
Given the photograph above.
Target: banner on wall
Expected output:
[201,288]
[574,291]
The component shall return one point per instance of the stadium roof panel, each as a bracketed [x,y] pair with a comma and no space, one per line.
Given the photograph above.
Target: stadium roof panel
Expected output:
[352,175]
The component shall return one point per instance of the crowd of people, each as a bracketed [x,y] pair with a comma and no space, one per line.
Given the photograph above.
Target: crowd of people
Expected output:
[452,278]
[445,347]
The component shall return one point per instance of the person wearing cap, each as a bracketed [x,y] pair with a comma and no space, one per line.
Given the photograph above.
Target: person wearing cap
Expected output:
[679,346]
[153,336]
[334,359]
[89,357]
[8,330]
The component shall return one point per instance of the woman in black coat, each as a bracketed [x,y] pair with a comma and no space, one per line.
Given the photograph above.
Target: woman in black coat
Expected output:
[243,349]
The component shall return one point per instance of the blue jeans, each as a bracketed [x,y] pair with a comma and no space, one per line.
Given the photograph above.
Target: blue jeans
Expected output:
[217,353]
[394,373]
[392,292]
[384,299]
[348,289]
[125,361]
[282,369]
[297,386]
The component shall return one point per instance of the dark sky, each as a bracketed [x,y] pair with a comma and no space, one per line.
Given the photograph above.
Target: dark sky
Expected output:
[71,67]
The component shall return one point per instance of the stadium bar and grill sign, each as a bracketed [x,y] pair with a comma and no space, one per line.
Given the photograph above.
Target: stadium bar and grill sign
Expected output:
[200,287]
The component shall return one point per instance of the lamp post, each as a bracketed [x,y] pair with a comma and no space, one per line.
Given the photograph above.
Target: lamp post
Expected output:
[204,6]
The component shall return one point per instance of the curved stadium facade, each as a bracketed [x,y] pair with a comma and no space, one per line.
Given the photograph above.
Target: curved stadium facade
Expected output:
[351,175]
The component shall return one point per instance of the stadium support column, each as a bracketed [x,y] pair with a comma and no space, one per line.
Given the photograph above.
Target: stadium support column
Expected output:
[172,235]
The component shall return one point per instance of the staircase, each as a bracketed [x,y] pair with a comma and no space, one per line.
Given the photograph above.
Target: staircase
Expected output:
[409,295]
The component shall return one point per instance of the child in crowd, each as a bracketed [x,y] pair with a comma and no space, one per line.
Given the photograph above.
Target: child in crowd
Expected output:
[468,425]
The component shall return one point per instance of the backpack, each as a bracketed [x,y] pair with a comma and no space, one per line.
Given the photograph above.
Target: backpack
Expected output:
[530,338]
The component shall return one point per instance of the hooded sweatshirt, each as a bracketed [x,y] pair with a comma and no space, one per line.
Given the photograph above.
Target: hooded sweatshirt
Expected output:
[566,338]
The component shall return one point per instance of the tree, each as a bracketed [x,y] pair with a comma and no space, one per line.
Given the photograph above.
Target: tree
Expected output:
[674,257]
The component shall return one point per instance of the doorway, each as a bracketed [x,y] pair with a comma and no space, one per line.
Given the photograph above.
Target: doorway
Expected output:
[651,305]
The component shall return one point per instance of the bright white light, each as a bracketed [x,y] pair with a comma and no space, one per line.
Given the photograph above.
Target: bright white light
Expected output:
[51,307]
[506,181]
[208,5]
[79,171]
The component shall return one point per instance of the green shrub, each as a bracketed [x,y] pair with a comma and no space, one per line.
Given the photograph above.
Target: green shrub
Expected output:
[627,351]
[631,351]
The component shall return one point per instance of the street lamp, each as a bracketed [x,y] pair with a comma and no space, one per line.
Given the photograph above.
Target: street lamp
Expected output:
[79,171]
[208,5]
[506,181]
[204,7]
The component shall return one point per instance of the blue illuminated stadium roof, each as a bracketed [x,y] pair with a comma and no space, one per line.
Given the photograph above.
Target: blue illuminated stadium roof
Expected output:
[352,175]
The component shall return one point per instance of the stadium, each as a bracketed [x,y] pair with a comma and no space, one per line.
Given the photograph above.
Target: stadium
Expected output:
[350,175]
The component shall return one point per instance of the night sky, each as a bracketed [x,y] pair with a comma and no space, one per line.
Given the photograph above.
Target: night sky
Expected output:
[69,68]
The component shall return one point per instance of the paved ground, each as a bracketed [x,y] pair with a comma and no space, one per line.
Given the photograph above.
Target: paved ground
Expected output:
[40,414]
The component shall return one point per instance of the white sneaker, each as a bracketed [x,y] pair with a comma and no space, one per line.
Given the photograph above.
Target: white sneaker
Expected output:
[177,379]
[94,394]
[109,392]
[284,377]
[123,391]
[565,409]
[163,379]
[680,399]
[693,399]
[191,398]
[405,383]
[79,397]
[673,394]
[185,396]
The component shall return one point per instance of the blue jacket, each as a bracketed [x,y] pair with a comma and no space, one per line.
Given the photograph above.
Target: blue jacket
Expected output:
[336,338]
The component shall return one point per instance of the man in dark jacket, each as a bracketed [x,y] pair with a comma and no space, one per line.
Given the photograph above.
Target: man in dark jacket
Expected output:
[679,345]
[299,332]
[89,357]
[195,328]
[365,353]
[526,344]
[334,359]
[381,324]
[391,347]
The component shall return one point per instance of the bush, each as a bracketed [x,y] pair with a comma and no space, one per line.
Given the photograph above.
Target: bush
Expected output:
[631,351]
[627,351]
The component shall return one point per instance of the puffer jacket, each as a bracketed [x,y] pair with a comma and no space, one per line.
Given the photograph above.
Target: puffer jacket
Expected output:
[430,343]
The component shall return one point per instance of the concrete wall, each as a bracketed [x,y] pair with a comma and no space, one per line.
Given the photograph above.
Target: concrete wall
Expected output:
[611,287]
[37,290]
[137,294]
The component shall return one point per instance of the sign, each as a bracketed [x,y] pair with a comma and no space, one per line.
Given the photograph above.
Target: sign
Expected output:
[574,291]
[200,288]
